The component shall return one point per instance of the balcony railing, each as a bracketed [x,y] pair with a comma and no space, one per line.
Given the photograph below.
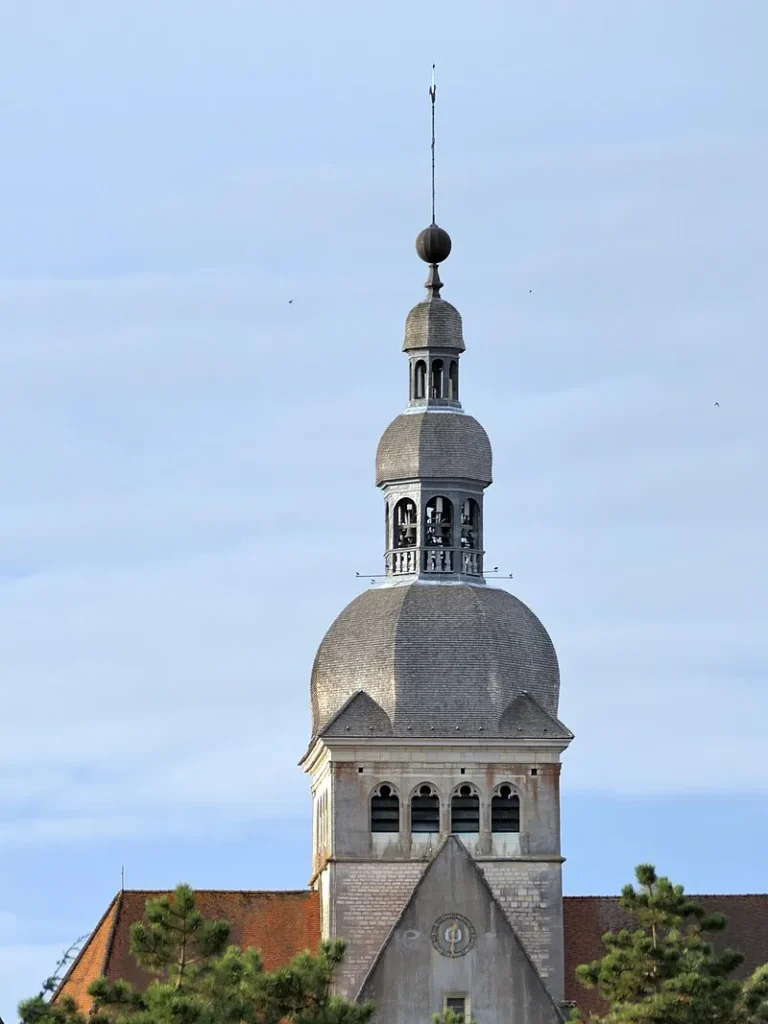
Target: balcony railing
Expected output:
[434,560]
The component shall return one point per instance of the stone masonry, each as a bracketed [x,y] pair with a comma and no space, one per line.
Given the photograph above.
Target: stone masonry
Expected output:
[368,897]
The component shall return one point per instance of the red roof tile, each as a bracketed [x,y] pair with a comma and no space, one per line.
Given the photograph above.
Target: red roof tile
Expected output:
[279,924]
[282,924]
[588,918]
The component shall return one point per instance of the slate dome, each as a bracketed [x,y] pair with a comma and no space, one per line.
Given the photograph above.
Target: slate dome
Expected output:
[435,657]
[430,445]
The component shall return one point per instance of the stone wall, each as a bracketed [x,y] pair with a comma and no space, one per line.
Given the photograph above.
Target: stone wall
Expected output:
[367,899]
[531,895]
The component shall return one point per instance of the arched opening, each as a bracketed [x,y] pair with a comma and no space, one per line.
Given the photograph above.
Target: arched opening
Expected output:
[439,522]
[453,381]
[465,810]
[436,383]
[385,810]
[405,524]
[387,533]
[505,810]
[419,379]
[425,810]
[470,522]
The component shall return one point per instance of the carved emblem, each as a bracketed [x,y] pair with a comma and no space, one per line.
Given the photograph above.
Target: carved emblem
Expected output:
[453,935]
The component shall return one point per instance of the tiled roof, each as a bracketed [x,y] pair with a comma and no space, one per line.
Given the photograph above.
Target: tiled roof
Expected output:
[588,918]
[434,323]
[434,658]
[280,924]
[434,444]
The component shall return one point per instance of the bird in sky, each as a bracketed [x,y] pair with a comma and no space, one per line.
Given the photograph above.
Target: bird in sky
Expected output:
[290,302]
[717,405]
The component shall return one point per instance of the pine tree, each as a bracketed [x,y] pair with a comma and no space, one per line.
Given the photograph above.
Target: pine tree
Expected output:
[667,971]
[199,979]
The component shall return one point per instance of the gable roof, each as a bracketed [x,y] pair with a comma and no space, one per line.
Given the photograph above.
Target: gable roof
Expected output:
[279,924]
[525,717]
[282,924]
[360,715]
[587,918]
[452,850]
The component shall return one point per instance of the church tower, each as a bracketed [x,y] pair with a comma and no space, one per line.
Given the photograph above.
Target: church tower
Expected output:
[435,757]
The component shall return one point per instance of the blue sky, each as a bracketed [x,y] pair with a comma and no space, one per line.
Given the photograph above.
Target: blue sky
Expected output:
[187,466]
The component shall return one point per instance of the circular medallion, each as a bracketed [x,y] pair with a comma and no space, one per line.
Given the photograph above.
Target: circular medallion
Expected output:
[453,935]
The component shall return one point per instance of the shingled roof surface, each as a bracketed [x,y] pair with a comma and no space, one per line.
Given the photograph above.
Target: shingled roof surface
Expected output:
[280,924]
[587,918]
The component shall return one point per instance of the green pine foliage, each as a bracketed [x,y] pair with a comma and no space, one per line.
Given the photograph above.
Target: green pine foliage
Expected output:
[450,1017]
[201,979]
[667,971]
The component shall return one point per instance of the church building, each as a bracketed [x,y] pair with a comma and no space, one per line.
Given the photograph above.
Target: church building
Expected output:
[435,756]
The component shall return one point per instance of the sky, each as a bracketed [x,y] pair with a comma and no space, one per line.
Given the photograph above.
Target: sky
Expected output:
[186,474]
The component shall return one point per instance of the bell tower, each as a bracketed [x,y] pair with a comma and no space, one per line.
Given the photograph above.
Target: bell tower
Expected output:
[434,527]
[435,755]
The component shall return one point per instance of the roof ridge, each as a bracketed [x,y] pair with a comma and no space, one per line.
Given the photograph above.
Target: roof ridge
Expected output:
[691,895]
[540,706]
[112,932]
[243,892]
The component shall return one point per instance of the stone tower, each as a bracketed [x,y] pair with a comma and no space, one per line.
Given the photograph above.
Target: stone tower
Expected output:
[435,756]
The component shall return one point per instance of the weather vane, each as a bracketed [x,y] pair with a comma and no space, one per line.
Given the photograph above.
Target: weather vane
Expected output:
[432,94]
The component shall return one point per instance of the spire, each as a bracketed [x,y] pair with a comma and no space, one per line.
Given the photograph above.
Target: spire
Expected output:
[432,96]
[433,244]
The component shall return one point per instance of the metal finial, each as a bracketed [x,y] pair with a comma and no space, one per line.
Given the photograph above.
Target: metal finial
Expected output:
[432,94]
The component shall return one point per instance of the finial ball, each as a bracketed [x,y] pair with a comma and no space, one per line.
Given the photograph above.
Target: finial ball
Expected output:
[433,244]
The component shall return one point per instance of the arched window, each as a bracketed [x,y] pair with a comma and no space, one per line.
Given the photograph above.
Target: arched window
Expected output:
[439,522]
[436,383]
[425,810]
[505,810]
[405,524]
[385,810]
[470,521]
[419,379]
[465,810]
[453,381]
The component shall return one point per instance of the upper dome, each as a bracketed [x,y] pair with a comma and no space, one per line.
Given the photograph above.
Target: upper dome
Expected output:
[433,444]
[439,660]
[434,323]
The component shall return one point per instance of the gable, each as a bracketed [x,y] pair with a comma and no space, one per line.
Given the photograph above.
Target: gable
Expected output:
[279,924]
[359,716]
[416,969]
[524,717]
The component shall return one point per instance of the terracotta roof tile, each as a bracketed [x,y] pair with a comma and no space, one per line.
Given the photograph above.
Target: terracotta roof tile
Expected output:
[92,959]
[280,924]
[588,918]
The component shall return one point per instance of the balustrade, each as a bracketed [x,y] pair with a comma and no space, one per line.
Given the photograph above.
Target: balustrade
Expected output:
[437,560]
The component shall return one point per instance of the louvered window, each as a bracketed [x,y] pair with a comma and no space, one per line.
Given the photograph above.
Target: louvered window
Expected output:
[465,811]
[505,811]
[385,810]
[425,811]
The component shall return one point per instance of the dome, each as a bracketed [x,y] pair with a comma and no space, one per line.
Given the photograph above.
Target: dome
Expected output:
[434,658]
[428,444]
[434,323]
